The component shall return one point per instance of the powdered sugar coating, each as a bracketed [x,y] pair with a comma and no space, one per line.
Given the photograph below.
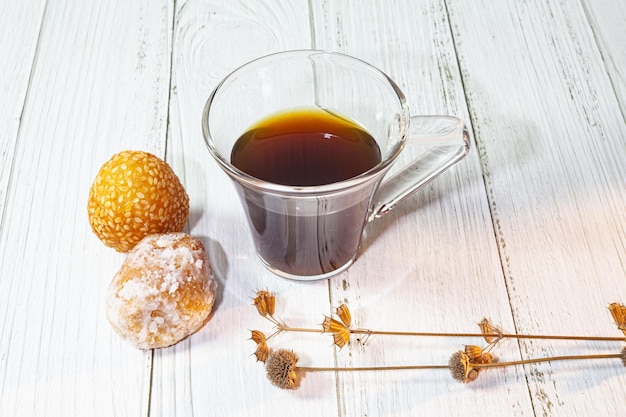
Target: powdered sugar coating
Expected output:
[163,292]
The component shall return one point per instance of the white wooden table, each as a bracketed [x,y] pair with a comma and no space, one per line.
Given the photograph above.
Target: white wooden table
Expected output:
[529,230]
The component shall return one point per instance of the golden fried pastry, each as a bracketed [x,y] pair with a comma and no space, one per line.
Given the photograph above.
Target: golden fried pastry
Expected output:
[133,195]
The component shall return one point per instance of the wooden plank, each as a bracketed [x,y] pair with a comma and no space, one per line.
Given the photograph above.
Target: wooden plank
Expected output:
[214,371]
[605,18]
[19,30]
[100,84]
[432,264]
[552,146]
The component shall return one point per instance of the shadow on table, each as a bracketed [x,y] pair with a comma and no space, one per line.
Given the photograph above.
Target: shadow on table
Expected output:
[219,265]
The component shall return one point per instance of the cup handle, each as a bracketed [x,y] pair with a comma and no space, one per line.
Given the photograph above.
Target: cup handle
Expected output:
[449,142]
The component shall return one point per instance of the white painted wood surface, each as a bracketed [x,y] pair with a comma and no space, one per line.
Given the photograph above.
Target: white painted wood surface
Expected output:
[529,230]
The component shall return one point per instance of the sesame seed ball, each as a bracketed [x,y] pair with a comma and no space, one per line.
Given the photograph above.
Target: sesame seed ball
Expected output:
[135,194]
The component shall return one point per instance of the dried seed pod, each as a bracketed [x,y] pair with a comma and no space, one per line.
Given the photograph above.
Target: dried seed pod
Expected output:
[280,368]
[618,311]
[261,306]
[331,325]
[258,336]
[265,303]
[342,337]
[472,375]
[344,314]
[262,352]
[487,358]
[270,301]
[488,330]
[460,367]
[474,353]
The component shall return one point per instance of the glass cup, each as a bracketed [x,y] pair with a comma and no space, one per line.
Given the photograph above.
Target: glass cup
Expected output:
[314,232]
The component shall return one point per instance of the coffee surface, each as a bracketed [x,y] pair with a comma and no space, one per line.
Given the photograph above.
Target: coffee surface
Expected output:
[305,147]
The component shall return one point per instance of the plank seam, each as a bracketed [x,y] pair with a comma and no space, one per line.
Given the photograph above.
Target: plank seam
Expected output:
[599,49]
[19,127]
[484,166]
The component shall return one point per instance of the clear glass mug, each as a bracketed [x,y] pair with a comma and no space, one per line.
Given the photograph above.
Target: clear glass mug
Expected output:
[314,232]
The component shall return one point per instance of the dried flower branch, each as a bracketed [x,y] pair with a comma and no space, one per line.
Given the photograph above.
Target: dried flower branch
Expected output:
[282,368]
[464,365]
[489,332]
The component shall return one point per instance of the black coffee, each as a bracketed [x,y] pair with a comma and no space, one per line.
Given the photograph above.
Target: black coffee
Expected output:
[306,148]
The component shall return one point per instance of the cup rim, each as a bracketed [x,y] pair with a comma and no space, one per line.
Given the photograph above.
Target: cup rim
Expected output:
[316,190]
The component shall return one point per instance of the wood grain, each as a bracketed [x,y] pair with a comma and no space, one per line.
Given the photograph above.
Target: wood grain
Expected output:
[529,230]
[19,29]
[420,268]
[555,177]
[215,372]
[99,84]
[605,19]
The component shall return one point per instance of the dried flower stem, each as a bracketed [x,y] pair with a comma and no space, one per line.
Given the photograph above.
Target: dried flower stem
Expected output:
[282,369]
[494,335]
[370,368]
[283,327]
[477,365]
[549,359]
